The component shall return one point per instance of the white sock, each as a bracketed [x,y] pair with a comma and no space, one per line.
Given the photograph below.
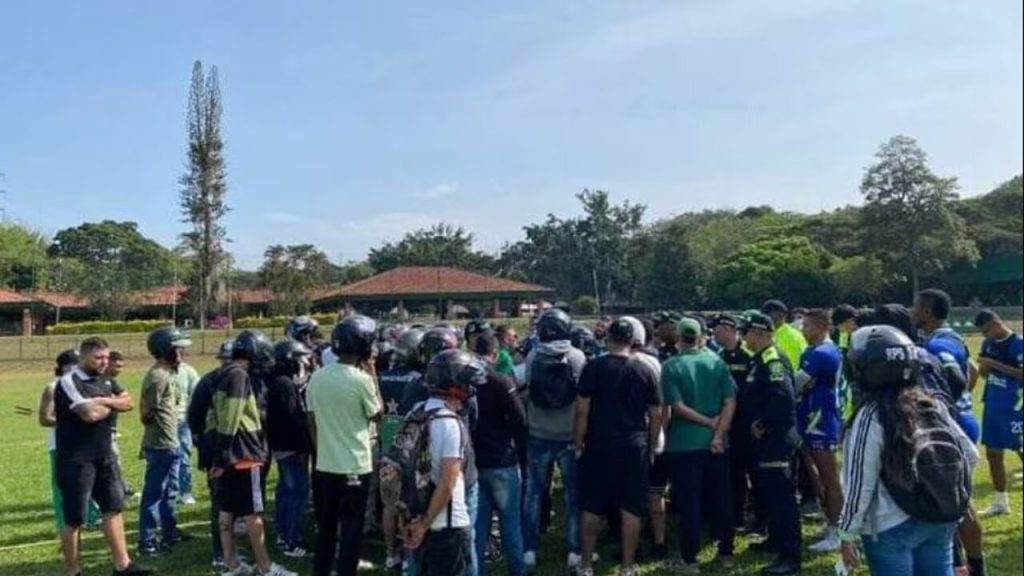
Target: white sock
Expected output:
[1003,499]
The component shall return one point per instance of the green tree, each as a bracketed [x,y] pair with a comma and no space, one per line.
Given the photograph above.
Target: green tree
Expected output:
[587,254]
[908,217]
[789,266]
[996,220]
[203,191]
[23,261]
[859,280]
[291,273]
[107,262]
[439,245]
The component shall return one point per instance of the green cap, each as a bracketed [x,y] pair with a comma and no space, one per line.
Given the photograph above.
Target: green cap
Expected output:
[756,319]
[690,328]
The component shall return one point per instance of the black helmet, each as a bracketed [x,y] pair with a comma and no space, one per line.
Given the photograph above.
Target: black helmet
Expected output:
[67,358]
[454,370]
[474,327]
[163,340]
[554,324]
[582,338]
[437,340]
[883,357]
[253,346]
[354,335]
[407,348]
[290,352]
[301,328]
[226,349]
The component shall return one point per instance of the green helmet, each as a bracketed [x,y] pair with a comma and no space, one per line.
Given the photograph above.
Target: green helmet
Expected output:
[163,340]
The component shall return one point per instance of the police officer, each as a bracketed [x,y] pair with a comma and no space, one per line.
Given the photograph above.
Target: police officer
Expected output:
[769,403]
[725,327]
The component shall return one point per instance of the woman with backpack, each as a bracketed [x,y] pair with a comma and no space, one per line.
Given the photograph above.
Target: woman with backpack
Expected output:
[905,514]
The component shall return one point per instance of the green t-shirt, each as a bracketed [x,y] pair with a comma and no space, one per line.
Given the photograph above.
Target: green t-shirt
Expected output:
[342,399]
[505,364]
[159,396]
[700,380]
[791,343]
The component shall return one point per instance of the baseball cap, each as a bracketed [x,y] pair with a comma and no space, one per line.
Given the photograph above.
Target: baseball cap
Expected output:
[476,326]
[725,319]
[759,320]
[771,306]
[690,328]
[665,317]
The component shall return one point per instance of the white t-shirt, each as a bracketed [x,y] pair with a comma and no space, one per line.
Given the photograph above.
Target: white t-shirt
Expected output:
[446,442]
[51,439]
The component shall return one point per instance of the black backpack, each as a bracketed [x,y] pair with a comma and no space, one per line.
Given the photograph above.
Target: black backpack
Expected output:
[939,486]
[552,383]
[405,484]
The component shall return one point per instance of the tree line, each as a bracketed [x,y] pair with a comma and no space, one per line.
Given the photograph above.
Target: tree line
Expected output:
[911,228]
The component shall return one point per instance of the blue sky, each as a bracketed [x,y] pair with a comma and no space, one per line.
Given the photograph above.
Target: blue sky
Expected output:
[350,123]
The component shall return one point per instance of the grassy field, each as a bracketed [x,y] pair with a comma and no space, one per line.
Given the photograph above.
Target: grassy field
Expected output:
[28,546]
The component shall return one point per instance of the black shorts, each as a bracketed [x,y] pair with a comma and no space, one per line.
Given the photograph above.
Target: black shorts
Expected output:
[615,479]
[659,479]
[81,481]
[241,492]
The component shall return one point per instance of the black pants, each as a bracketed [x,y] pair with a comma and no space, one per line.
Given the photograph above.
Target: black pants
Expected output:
[697,481]
[739,474]
[340,503]
[446,553]
[214,485]
[778,492]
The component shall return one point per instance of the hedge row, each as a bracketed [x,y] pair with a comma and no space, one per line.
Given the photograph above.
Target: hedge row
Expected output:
[105,327]
[142,326]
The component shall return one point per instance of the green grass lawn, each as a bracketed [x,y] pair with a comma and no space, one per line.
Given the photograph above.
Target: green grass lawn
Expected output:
[28,544]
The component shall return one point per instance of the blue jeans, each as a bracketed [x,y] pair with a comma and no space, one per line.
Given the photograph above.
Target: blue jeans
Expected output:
[501,494]
[292,497]
[473,507]
[158,496]
[913,548]
[542,453]
[185,475]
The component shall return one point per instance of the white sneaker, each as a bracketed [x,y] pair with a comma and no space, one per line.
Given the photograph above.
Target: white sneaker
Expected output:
[996,509]
[242,569]
[296,552]
[574,560]
[278,570]
[829,544]
[187,500]
[631,571]
[530,559]
[367,565]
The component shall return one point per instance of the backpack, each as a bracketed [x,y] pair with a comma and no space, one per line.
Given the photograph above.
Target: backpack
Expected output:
[552,383]
[940,490]
[405,484]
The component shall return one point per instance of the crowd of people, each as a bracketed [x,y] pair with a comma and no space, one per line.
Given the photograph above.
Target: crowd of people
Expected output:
[446,441]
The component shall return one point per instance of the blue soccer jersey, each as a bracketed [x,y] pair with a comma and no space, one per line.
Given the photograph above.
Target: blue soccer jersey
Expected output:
[952,351]
[1003,419]
[819,412]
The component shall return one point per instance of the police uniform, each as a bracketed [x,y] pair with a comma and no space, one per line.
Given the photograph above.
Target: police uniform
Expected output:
[769,398]
[738,360]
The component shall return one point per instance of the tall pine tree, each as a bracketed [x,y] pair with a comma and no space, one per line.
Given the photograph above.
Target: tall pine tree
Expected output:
[203,188]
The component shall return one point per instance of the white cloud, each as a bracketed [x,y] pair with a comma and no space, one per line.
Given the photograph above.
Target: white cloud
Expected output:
[439,190]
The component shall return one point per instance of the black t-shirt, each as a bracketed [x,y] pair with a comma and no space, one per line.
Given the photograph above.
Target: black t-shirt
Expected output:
[78,440]
[621,391]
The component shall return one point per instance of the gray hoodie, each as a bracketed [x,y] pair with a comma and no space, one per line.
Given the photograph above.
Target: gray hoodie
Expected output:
[553,425]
